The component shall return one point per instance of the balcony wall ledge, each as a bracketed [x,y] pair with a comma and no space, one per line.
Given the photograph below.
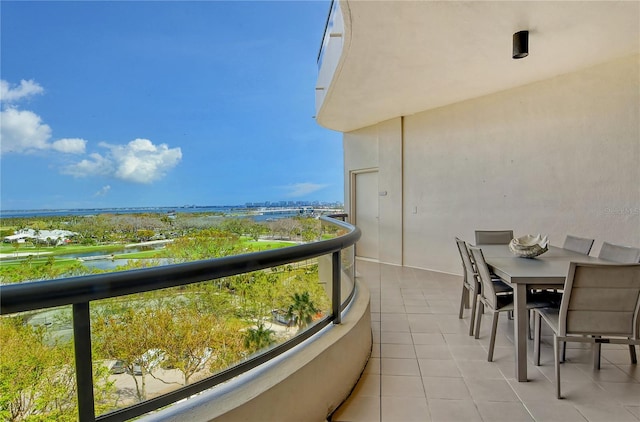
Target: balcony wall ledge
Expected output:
[307,383]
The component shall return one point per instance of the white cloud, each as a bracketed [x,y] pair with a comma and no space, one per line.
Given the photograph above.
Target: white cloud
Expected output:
[9,94]
[139,161]
[103,191]
[96,165]
[70,145]
[22,131]
[301,189]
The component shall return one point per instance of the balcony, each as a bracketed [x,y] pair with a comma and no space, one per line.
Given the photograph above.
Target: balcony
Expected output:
[444,132]
[271,383]
[330,51]
[422,366]
[425,367]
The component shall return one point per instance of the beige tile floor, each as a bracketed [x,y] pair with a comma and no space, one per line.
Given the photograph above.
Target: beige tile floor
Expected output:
[424,366]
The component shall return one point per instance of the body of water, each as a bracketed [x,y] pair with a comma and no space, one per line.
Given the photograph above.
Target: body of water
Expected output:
[231,211]
[114,252]
[112,264]
[97,211]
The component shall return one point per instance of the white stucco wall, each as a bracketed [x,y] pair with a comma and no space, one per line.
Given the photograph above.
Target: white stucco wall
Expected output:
[390,182]
[360,152]
[380,147]
[557,157]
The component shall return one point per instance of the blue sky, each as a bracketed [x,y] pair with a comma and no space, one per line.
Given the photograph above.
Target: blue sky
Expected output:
[125,104]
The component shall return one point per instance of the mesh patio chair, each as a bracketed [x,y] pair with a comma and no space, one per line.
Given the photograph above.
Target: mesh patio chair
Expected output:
[600,305]
[623,255]
[493,237]
[471,284]
[496,303]
[619,254]
[578,244]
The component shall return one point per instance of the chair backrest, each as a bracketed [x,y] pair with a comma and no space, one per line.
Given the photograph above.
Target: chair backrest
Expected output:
[467,265]
[487,291]
[578,244]
[618,253]
[493,237]
[601,299]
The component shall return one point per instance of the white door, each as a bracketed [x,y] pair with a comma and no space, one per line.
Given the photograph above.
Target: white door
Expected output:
[365,189]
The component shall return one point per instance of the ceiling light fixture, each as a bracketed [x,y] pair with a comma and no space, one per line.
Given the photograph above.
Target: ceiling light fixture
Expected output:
[520,44]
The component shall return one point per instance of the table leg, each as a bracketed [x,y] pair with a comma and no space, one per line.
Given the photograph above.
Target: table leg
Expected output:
[520,330]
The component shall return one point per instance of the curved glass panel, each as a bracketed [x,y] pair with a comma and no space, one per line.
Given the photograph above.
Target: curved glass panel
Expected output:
[138,340]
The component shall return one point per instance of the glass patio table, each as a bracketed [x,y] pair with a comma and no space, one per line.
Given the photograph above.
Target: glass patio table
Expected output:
[547,271]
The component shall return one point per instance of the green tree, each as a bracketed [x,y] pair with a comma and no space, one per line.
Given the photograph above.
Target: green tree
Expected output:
[23,362]
[127,336]
[259,337]
[236,226]
[256,230]
[302,310]
[144,234]
[16,246]
[37,376]
[311,228]
[212,297]
[204,244]
[261,295]
[186,336]
[228,344]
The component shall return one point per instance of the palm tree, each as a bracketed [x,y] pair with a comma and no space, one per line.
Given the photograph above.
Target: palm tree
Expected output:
[302,309]
[258,338]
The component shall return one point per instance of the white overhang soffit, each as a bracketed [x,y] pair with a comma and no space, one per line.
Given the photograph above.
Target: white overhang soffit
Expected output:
[403,57]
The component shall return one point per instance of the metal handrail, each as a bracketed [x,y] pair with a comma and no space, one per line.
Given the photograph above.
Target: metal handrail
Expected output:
[80,291]
[340,216]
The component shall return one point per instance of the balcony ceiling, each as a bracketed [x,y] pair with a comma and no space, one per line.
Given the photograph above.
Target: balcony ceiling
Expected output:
[403,57]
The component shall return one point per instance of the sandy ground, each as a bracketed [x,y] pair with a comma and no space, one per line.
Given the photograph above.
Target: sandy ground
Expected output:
[162,381]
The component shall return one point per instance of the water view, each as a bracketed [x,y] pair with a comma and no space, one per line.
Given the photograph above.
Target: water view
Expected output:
[143,347]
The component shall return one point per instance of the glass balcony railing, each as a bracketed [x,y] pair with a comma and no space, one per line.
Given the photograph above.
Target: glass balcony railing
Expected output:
[123,344]
[328,27]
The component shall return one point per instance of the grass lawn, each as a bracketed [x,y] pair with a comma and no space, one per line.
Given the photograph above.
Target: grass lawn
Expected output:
[248,243]
[58,250]
[62,263]
[263,245]
[108,249]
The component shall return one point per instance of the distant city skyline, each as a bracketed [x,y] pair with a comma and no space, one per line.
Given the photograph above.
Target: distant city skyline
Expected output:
[154,104]
[186,208]
[274,204]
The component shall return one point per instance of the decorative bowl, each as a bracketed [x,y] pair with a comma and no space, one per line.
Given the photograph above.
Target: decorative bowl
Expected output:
[529,246]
